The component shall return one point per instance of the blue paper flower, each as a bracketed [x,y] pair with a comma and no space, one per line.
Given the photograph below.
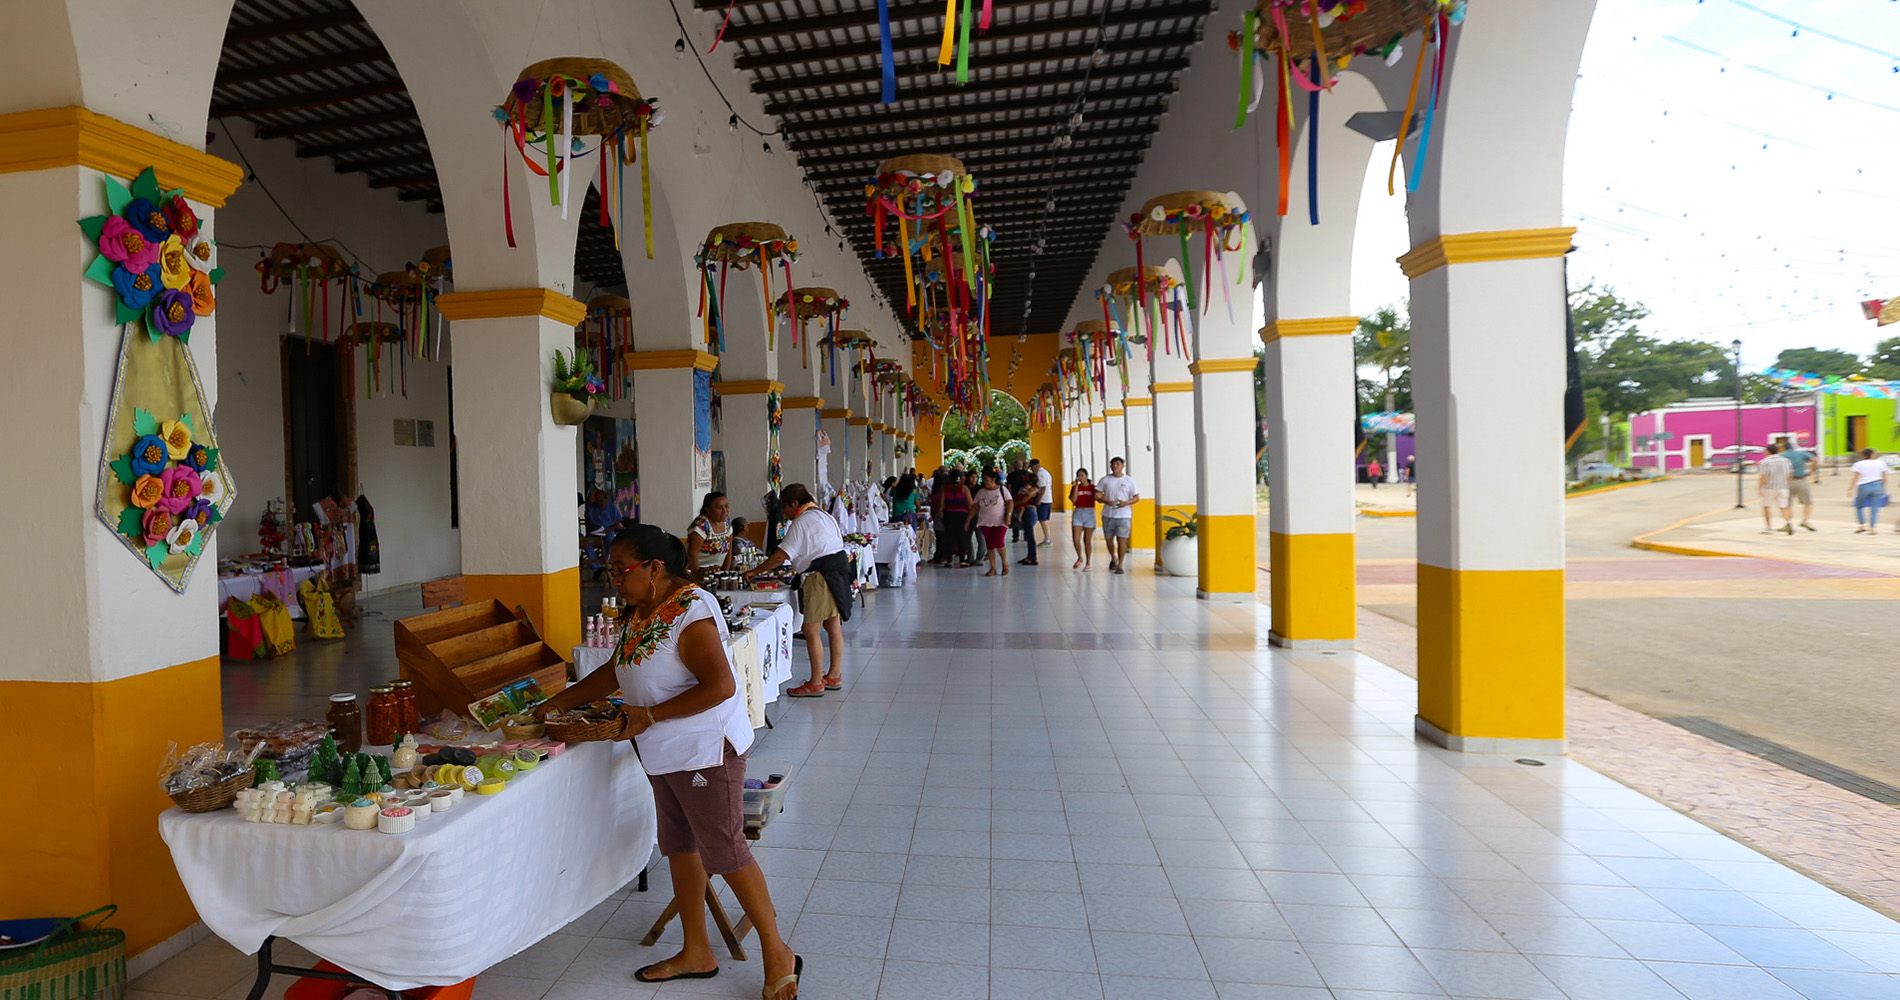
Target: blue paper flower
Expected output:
[148,219]
[137,288]
[149,456]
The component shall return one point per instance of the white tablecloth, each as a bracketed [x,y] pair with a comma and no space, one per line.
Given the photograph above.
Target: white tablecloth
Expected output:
[770,615]
[897,548]
[866,556]
[282,583]
[461,892]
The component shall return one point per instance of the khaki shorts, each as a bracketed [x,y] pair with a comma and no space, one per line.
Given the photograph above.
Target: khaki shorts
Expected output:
[1800,492]
[1777,499]
[817,604]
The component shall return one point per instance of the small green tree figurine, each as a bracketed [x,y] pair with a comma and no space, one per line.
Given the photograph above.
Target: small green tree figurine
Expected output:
[352,782]
[266,770]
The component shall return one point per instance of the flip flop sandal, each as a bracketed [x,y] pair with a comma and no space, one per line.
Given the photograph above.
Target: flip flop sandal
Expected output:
[798,969]
[641,975]
[807,691]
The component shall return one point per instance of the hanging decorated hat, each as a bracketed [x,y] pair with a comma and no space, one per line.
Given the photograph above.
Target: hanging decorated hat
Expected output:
[555,101]
[738,246]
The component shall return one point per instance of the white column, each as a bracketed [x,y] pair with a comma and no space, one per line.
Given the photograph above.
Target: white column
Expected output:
[1224,432]
[1175,474]
[1139,445]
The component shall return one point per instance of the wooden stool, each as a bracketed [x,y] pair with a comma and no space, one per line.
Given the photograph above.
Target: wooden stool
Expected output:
[733,936]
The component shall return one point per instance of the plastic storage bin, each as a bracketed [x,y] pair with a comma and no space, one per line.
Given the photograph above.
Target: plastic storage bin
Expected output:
[761,804]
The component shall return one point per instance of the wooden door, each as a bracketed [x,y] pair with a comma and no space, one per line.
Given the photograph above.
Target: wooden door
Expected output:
[1696,455]
[1856,434]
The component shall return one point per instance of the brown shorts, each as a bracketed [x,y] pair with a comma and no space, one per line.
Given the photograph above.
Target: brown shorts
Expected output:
[817,604]
[700,811]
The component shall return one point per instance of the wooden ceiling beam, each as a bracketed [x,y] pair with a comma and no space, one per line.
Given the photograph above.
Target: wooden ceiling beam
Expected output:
[987,63]
[770,26]
[344,17]
[309,100]
[269,70]
[1125,152]
[406,181]
[1026,27]
[318,126]
[920,124]
[974,96]
[355,146]
[1084,139]
[405,159]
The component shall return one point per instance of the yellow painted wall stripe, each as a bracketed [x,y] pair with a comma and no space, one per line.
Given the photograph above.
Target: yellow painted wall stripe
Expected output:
[836,413]
[856,421]
[1113,411]
[1226,553]
[1322,326]
[512,302]
[48,138]
[752,387]
[1313,589]
[1161,387]
[1470,248]
[1138,401]
[1491,652]
[803,403]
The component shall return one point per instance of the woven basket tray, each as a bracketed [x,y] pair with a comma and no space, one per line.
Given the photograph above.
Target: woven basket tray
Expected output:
[1371,30]
[211,798]
[594,119]
[922,163]
[72,962]
[586,732]
[1179,200]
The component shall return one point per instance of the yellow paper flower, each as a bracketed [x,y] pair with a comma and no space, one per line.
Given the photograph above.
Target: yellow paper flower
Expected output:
[177,438]
[174,263]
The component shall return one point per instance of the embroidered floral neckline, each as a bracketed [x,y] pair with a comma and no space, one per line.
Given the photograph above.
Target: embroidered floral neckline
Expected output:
[638,639]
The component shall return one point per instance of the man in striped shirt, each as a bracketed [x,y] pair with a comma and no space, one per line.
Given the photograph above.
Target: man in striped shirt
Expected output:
[1776,479]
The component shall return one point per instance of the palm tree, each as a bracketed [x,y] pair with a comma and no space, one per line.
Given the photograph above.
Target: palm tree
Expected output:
[1384,341]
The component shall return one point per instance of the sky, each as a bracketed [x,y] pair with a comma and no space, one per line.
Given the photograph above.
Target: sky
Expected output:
[1712,177]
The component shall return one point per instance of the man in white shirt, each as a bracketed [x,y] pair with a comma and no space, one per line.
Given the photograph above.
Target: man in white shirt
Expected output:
[1045,504]
[1776,474]
[1116,493]
[814,546]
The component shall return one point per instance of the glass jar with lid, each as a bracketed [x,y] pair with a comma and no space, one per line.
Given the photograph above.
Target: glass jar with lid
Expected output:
[382,716]
[408,715]
[346,722]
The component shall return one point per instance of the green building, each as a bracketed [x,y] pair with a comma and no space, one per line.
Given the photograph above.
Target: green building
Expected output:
[1855,422]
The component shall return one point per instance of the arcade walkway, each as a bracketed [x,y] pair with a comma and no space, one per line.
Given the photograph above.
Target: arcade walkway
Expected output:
[1056,786]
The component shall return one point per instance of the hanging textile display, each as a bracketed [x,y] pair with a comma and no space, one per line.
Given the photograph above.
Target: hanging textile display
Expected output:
[551,106]
[799,307]
[313,273]
[921,208]
[433,271]
[604,338]
[1045,407]
[1303,44]
[1208,225]
[739,246]
[385,363]
[1151,311]
[161,486]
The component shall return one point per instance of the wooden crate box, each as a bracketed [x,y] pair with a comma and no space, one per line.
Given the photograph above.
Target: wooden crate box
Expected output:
[461,655]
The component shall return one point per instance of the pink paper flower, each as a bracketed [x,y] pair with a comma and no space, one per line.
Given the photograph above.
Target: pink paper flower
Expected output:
[182,486]
[120,241]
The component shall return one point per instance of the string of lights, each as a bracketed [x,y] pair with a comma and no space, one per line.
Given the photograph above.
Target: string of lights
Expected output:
[1783,77]
[1799,28]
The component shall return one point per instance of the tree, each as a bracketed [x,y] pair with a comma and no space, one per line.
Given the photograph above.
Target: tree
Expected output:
[1884,362]
[1601,316]
[1384,341]
[1627,372]
[1008,419]
[1819,361]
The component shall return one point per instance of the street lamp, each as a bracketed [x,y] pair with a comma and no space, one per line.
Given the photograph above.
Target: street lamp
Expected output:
[1736,346]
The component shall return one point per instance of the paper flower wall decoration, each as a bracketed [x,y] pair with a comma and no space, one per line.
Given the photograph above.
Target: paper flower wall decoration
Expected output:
[147,259]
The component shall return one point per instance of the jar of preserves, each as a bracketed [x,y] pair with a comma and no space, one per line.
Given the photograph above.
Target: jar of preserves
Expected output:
[382,716]
[408,715]
[346,722]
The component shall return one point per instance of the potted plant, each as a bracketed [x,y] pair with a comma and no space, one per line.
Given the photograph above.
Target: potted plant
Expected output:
[575,388]
[1181,545]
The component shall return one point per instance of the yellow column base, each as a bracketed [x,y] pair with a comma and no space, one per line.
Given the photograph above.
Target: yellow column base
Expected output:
[1182,511]
[1227,554]
[553,601]
[1491,659]
[98,749]
[1313,590]
[1141,534]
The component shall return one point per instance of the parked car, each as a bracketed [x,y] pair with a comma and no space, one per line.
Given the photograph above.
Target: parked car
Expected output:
[1599,470]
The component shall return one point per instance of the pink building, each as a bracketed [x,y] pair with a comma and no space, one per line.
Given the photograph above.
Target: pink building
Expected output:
[1701,432]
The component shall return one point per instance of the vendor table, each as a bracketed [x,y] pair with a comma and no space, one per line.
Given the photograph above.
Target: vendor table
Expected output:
[897,548]
[865,559]
[435,906]
[282,583]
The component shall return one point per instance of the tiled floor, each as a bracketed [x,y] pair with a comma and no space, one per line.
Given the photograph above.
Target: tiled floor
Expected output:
[1178,812]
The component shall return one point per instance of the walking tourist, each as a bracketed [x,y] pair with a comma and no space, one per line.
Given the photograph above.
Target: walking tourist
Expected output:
[1017,483]
[1411,474]
[1026,496]
[1374,471]
[1869,491]
[1046,500]
[904,500]
[687,718]
[709,537]
[1771,483]
[993,511]
[1803,468]
[1082,520]
[1116,494]
[953,502]
[814,547]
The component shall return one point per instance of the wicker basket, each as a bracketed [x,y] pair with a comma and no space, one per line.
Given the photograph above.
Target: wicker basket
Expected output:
[529,730]
[1179,200]
[813,301]
[594,119]
[1383,21]
[287,260]
[1090,327]
[765,240]
[587,732]
[211,798]
[613,305]
[922,163]
[71,962]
